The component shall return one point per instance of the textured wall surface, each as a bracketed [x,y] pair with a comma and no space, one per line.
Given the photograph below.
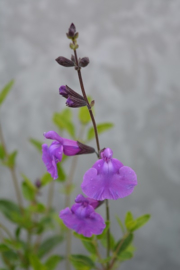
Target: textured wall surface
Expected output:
[134,77]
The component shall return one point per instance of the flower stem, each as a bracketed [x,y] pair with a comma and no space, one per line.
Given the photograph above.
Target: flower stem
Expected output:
[89,107]
[108,232]
[13,173]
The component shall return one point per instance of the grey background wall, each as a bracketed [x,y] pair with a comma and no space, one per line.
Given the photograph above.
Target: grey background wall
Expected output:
[134,77]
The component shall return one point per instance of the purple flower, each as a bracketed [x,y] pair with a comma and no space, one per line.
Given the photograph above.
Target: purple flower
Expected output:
[82,218]
[53,154]
[108,178]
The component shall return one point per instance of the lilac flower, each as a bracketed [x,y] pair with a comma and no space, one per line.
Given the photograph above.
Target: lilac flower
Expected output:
[82,218]
[108,179]
[53,154]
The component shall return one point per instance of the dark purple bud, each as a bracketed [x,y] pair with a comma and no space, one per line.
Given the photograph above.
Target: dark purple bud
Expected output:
[84,62]
[72,30]
[63,92]
[38,183]
[85,149]
[64,62]
[75,102]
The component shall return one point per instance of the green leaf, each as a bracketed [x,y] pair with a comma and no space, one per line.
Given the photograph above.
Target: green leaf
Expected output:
[123,243]
[120,224]
[63,121]
[37,208]
[61,173]
[46,179]
[137,223]
[83,238]
[81,262]
[4,92]
[2,152]
[47,245]
[53,261]
[37,144]
[13,244]
[3,248]
[9,209]
[112,242]
[11,159]
[90,247]
[125,255]
[35,263]
[84,115]
[129,219]
[28,189]
[103,234]
[100,128]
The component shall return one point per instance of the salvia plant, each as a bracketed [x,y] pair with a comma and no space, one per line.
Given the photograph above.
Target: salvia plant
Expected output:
[37,228]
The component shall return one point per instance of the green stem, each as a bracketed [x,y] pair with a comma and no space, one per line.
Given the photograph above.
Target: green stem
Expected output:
[114,256]
[13,174]
[108,233]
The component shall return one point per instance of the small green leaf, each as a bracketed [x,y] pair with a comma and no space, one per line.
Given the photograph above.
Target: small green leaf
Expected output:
[103,234]
[120,224]
[46,179]
[2,152]
[63,121]
[90,247]
[139,222]
[123,243]
[37,208]
[53,261]
[4,92]
[81,262]
[35,263]
[100,128]
[61,173]
[37,144]
[11,159]
[9,209]
[129,220]
[83,238]
[28,189]
[13,244]
[84,115]
[3,248]
[112,242]
[125,255]
[48,244]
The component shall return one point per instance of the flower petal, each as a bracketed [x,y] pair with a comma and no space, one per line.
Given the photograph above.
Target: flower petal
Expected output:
[94,224]
[107,184]
[53,136]
[70,147]
[49,161]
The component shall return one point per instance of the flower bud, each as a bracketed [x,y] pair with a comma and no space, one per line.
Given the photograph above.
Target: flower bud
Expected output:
[38,183]
[74,102]
[72,30]
[64,62]
[84,62]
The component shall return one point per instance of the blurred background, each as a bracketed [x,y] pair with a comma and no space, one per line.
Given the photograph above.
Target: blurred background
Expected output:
[134,77]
